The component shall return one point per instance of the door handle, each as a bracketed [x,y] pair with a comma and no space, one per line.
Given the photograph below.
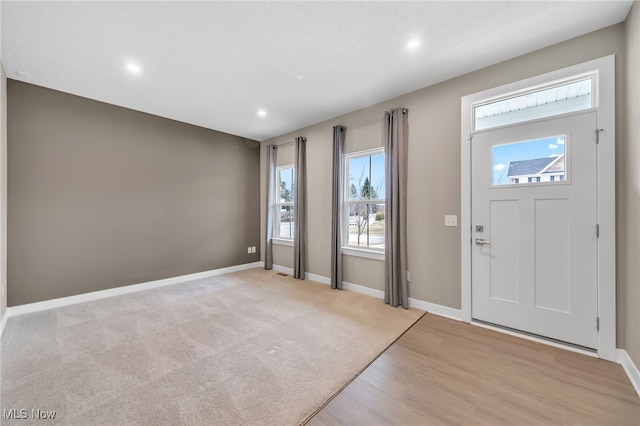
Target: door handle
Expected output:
[481,242]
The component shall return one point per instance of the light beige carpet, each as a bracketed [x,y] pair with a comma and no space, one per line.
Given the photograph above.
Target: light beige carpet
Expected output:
[251,348]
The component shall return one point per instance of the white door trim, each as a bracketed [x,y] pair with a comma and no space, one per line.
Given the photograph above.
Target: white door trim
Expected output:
[605,98]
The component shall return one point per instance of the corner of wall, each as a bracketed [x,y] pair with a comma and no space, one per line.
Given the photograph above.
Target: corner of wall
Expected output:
[630,368]
[629,176]
[263,198]
[3,188]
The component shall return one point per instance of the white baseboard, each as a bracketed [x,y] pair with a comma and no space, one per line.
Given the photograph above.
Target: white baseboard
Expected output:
[3,322]
[630,368]
[435,309]
[101,294]
[347,286]
[432,308]
[327,281]
[363,290]
[282,269]
[317,278]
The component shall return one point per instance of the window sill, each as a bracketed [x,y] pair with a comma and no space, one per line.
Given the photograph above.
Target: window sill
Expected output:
[282,242]
[368,254]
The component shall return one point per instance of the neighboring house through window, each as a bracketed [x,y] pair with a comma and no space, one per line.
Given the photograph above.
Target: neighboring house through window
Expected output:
[364,200]
[548,169]
[285,202]
[532,161]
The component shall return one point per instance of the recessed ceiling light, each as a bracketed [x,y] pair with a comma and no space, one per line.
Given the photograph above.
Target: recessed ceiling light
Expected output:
[133,68]
[413,43]
[262,113]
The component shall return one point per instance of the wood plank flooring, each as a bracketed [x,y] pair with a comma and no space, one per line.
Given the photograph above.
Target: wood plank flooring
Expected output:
[447,372]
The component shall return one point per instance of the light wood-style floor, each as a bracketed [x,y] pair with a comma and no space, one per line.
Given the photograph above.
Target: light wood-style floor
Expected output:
[447,372]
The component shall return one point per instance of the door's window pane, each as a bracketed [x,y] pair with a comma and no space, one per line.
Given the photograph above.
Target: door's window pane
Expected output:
[531,162]
[569,97]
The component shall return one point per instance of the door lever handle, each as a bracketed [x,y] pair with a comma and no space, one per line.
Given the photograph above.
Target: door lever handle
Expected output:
[481,242]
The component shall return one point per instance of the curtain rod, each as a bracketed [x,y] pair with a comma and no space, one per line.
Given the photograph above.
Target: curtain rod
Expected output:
[352,126]
[362,123]
[286,144]
[370,121]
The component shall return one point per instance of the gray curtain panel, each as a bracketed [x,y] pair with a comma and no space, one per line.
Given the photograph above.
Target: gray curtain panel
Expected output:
[272,156]
[396,131]
[300,210]
[339,133]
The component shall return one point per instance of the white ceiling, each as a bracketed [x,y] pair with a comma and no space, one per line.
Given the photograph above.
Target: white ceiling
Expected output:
[215,64]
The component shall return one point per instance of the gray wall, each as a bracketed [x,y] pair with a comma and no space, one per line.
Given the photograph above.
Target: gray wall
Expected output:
[434,167]
[101,196]
[629,199]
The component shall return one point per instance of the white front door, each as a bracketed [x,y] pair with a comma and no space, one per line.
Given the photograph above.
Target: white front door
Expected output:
[534,242]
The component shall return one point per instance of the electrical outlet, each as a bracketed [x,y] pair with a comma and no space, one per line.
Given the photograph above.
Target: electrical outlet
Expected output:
[450,220]
[253,249]
[248,249]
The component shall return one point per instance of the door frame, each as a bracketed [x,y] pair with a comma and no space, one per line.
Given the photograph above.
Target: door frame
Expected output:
[604,69]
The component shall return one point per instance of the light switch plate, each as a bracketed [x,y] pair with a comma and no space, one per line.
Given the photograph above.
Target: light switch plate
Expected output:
[450,220]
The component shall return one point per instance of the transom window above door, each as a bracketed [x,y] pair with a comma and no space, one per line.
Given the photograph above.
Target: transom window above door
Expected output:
[560,98]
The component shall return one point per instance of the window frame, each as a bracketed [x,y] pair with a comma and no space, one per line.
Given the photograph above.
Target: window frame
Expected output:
[279,239]
[353,250]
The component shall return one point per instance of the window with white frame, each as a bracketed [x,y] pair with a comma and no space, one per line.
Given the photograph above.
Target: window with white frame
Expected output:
[285,202]
[364,200]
